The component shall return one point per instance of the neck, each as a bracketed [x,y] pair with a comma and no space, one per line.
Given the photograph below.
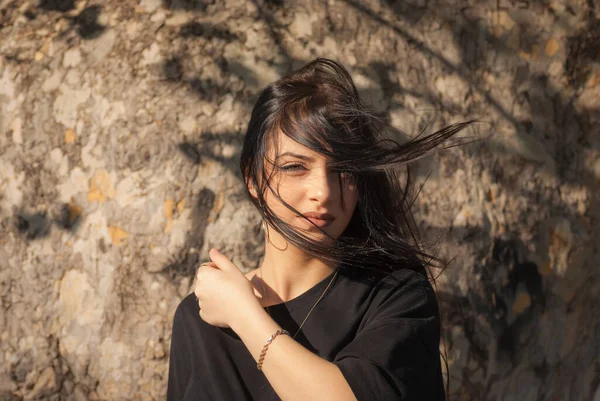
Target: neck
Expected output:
[288,272]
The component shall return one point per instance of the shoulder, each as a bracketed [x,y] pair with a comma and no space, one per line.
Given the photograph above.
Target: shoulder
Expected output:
[399,281]
[404,293]
[405,280]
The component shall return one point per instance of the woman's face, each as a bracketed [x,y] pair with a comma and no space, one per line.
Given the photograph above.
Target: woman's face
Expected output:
[305,181]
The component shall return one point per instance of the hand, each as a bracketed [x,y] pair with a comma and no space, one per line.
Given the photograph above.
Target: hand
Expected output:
[223,291]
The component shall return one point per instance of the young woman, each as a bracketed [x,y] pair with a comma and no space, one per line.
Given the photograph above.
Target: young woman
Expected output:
[341,307]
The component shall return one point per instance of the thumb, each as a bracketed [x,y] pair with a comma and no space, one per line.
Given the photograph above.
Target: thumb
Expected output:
[221,260]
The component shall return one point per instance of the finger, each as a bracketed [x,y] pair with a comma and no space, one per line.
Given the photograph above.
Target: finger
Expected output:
[204,276]
[221,260]
[205,268]
[200,284]
[208,264]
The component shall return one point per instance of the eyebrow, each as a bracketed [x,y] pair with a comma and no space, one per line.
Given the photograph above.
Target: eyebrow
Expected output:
[299,156]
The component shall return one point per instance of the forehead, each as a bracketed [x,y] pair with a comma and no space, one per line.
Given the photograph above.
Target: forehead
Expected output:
[281,143]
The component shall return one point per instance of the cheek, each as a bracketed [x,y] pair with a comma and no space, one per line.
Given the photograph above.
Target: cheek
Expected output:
[287,190]
[350,201]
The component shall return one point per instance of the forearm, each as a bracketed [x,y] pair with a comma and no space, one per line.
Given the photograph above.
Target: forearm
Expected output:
[295,373]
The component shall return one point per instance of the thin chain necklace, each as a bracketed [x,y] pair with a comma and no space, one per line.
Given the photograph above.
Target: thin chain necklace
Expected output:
[328,285]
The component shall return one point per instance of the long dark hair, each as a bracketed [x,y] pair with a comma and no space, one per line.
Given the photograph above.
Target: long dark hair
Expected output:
[319,107]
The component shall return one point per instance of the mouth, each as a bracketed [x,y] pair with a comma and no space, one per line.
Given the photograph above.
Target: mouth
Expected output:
[318,222]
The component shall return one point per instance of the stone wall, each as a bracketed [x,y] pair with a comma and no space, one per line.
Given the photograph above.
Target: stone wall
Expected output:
[120,130]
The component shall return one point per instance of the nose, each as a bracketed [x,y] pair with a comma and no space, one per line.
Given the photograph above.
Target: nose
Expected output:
[322,185]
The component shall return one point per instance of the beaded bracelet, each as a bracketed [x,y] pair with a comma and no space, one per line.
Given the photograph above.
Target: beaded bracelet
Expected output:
[264,350]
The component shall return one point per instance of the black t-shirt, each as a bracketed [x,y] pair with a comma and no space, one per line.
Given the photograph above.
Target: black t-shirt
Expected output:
[381,329]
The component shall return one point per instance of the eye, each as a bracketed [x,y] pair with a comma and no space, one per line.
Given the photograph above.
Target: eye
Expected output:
[346,176]
[292,167]
[349,178]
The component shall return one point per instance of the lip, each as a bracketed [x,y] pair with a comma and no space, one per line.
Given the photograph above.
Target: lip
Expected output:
[320,216]
[319,219]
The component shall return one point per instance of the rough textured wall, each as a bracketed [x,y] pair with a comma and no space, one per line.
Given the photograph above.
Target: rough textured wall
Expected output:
[120,128]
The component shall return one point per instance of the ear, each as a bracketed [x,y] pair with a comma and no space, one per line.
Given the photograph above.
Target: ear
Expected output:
[252,189]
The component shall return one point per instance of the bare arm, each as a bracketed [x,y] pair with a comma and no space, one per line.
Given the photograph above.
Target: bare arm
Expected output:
[295,373]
